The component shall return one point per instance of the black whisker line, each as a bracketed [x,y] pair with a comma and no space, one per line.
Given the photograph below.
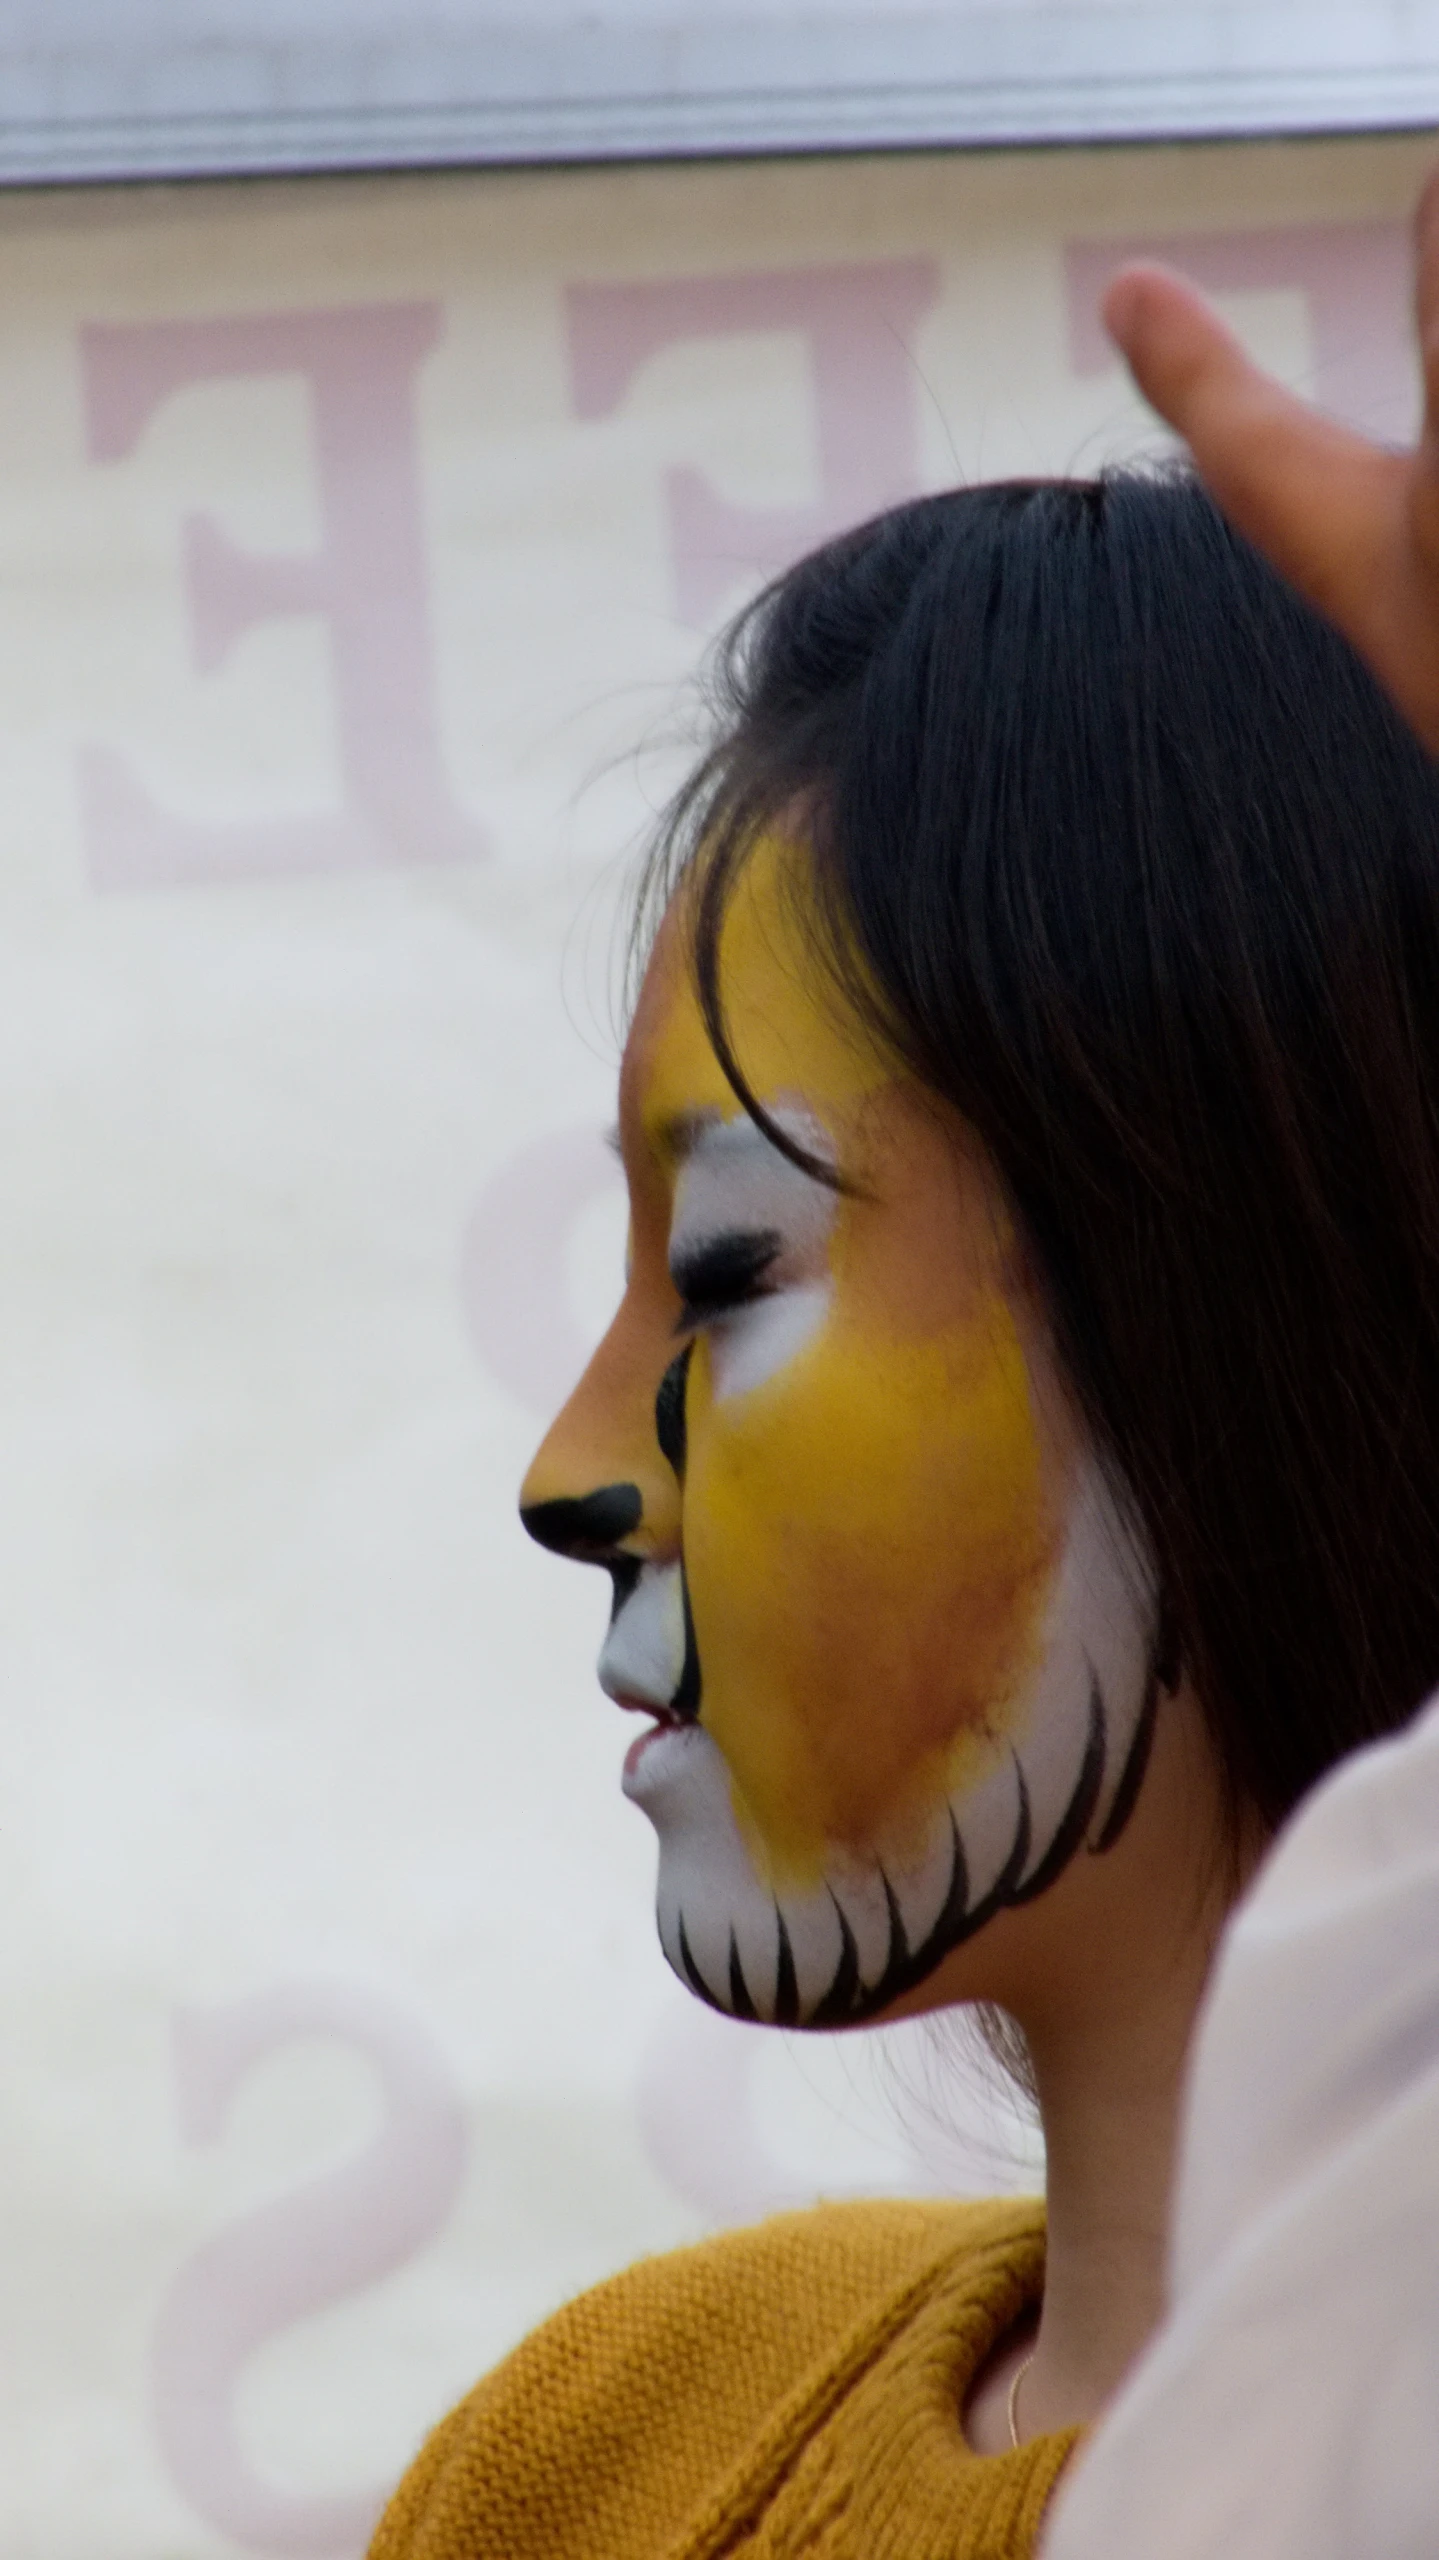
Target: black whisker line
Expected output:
[1002,1892]
[786,1985]
[848,2000]
[1168,1661]
[686,1699]
[624,1572]
[838,2001]
[739,1991]
[954,1910]
[1018,1859]
[1136,1761]
[1079,1812]
[697,1981]
[898,1956]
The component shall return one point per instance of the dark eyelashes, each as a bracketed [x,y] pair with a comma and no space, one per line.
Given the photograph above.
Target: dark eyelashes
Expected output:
[723,1271]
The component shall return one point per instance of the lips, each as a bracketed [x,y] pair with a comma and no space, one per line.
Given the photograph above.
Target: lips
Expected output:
[648,1665]
[662,1720]
[658,1756]
[640,1746]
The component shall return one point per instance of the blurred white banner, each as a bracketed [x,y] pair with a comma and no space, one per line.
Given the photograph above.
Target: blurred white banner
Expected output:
[354,536]
[177,87]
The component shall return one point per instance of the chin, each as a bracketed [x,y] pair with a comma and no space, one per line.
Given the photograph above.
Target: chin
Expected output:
[1065,1775]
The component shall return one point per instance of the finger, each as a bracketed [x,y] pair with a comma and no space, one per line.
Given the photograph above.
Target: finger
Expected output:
[1178,349]
[1424,484]
[1426,295]
[1336,515]
[1237,420]
[1320,500]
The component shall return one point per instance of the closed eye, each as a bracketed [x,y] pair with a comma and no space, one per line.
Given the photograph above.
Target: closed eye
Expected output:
[718,1273]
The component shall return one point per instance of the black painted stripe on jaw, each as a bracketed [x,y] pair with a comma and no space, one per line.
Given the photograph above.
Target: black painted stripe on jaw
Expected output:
[1166,1669]
[786,1987]
[849,2001]
[624,1573]
[898,1955]
[697,1981]
[686,1699]
[839,1999]
[589,1527]
[1131,1776]
[1079,1812]
[741,2005]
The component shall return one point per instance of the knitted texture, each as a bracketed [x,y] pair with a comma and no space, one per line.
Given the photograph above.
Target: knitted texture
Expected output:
[787,2393]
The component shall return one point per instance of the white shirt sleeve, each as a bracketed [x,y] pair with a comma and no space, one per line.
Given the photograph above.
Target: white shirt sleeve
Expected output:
[1289,2407]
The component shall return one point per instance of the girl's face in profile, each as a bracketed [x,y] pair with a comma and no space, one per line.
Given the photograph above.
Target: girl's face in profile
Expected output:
[891,1644]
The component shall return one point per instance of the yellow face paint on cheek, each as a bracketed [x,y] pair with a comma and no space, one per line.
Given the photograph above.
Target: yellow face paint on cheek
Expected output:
[869,1549]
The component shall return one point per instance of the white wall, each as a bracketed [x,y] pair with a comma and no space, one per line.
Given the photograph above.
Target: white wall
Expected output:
[353,534]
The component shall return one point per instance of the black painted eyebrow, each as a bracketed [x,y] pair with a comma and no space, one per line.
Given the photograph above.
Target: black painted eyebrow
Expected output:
[676,1138]
[716,1270]
[673,1142]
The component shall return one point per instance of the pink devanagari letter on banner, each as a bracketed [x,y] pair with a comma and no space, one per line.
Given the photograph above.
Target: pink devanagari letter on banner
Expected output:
[329,2237]
[857,322]
[367,579]
[1354,277]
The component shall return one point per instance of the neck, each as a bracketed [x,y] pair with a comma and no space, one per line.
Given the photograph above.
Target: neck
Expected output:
[1109,2043]
[1105,1983]
[1110,2108]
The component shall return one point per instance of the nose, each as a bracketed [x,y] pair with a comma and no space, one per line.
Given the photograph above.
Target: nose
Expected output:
[628,1523]
[575,1503]
[588,1527]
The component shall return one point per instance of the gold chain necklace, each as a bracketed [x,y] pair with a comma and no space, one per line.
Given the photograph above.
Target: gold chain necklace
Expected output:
[1020,2371]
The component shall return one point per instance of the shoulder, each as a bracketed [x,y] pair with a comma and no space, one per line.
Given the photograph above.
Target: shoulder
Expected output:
[630,2402]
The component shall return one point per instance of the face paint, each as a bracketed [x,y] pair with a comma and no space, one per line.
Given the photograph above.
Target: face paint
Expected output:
[897,1645]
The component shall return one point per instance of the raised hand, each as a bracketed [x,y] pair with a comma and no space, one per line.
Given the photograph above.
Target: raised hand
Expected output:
[1353,525]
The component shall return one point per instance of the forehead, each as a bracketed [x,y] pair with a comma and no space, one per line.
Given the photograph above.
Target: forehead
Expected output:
[792,1034]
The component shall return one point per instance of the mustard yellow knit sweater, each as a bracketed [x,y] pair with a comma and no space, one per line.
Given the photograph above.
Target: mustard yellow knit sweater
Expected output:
[791,2390]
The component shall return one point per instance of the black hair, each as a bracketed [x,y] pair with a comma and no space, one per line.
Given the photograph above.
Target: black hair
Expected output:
[1126,855]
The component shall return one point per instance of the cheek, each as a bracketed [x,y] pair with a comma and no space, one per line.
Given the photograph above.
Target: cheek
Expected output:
[869,1546]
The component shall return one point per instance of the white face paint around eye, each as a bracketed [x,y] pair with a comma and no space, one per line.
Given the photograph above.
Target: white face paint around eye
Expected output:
[749,1243]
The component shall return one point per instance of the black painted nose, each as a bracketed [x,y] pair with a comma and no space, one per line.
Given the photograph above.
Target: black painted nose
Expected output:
[588,1528]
